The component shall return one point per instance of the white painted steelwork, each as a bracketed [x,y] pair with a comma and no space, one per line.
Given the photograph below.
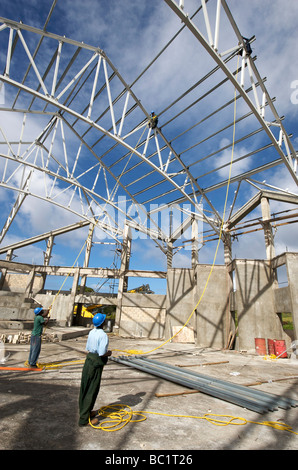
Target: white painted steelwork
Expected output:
[93,143]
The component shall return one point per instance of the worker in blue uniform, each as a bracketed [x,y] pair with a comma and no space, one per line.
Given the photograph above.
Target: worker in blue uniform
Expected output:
[97,357]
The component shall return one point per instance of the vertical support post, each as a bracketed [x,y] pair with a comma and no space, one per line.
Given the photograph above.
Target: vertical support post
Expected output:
[122,285]
[269,239]
[69,313]
[87,257]
[292,270]
[170,242]
[230,328]
[47,257]
[30,284]
[4,270]
[169,255]
[195,241]
[227,248]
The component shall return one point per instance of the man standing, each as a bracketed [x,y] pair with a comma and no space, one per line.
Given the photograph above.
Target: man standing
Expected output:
[97,357]
[35,342]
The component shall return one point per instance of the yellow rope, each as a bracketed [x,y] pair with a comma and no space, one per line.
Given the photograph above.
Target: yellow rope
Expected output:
[117,416]
[72,267]
[219,238]
[53,365]
[130,351]
[93,227]
[134,352]
[138,352]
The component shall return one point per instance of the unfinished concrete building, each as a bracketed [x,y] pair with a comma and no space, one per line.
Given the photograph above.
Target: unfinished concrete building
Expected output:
[77,140]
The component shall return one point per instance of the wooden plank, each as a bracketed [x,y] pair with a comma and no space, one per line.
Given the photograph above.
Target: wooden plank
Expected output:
[203,364]
[176,393]
[21,368]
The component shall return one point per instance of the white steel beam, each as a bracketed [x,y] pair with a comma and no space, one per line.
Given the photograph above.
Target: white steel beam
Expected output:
[216,57]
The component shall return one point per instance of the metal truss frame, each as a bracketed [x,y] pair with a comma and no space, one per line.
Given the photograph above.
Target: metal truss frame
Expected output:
[94,142]
[257,105]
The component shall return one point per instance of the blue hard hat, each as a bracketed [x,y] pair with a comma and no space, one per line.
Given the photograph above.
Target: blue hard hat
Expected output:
[98,319]
[37,310]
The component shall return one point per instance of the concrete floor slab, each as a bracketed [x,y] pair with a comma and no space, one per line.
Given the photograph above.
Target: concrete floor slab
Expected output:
[39,410]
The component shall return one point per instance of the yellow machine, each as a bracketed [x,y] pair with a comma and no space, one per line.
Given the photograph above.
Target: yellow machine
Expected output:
[88,311]
[145,289]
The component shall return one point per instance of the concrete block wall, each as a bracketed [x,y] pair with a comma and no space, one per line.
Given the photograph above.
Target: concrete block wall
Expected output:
[180,299]
[292,270]
[62,311]
[143,315]
[19,282]
[16,306]
[255,303]
[206,310]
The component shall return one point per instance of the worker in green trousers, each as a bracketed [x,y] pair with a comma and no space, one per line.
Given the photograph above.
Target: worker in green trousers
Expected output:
[97,357]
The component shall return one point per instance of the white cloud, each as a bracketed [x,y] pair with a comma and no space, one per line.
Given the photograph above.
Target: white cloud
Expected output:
[275,26]
[132,33]
[230,156]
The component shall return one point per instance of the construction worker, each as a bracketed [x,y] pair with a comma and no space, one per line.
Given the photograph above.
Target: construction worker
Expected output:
[153,120]
[35,342]
[97,357]
[246,50]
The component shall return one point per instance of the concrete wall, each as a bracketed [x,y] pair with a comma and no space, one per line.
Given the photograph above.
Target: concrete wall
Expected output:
[61,310]
[180,299]
[19,282]
[15,306]
[282,300]
[255,303]
[205,309]
[292,270]
[143,315]
[213,314]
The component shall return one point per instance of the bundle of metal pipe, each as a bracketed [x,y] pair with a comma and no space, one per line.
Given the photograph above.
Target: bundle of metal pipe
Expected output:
[240,395]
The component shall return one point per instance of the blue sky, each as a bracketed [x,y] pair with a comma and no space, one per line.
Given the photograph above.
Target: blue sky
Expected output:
[132,32]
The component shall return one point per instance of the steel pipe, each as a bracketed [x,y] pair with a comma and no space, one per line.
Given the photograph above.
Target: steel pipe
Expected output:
[221,394]
[241,395]
[241,388]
